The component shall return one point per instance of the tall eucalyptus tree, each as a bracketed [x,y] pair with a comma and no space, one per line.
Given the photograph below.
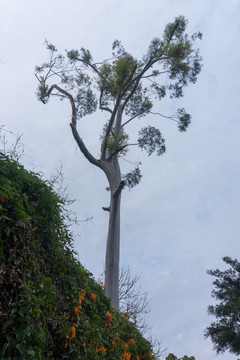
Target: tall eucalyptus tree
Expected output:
[125,89]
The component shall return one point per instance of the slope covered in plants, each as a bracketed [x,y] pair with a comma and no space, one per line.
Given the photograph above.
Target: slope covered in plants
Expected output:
[50,305]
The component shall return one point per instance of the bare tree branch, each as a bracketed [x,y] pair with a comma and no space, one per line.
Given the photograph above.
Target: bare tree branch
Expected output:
[133,299]
[164,116]
[132,118]
[106,208]
[73,125]
[103,107]
[119,150]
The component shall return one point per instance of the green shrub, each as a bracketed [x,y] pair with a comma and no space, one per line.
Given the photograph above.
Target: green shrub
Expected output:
[50,305]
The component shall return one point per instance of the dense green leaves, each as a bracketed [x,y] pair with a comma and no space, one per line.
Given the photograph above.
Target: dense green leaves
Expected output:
[150,139]
[225,331]
[50,306]
[184,119]
[132,178]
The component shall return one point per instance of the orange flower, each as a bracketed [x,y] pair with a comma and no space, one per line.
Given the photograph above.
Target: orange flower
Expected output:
[77,308]
[2,199]
[84,344]
[82,294]
[108,318]
[114,344]
[71,334]
[73,331]
[137,357]
[93,297]
[126,314]
[116,336]
[101,349]
[79,303]
[132,341]
[126,356]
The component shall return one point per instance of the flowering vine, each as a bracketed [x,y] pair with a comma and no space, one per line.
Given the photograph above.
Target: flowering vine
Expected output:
[121,345]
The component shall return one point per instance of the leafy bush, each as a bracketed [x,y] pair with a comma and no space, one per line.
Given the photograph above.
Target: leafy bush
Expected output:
[50,305]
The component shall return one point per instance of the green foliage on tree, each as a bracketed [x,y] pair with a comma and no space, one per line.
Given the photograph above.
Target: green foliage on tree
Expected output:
[50,306]
[125,89]
[185,357]
[225,331]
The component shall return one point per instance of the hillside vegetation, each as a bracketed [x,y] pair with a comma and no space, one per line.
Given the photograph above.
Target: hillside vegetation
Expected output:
[50,305]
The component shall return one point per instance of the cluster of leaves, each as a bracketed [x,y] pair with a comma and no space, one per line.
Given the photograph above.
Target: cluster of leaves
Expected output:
[225,331]
[151,140]
[185,357]
[50,307]
[114,143]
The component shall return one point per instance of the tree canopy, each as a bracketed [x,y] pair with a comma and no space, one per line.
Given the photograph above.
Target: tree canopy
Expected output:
[225,331]
[124,87]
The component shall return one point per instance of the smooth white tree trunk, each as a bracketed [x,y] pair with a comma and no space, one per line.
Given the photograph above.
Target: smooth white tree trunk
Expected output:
[112,171]
[113,252]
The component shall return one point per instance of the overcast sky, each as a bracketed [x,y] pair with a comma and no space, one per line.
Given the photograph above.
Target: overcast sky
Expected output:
[184,216]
